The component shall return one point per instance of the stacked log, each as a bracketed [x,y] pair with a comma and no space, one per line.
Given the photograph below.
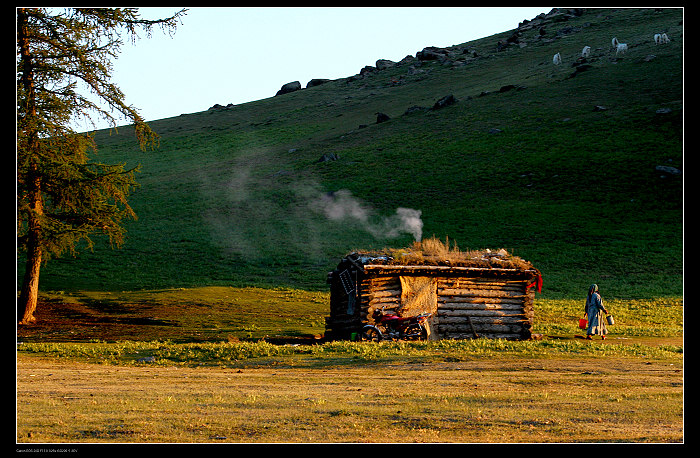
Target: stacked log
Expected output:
[496,309]
[380,292]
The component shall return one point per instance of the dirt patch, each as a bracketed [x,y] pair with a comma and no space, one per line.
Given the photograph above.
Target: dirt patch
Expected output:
[111,321]
[63,322]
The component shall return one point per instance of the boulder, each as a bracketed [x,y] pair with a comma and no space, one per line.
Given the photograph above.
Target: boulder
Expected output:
[316,82]
[329,157]
[367,69]
[502,45]
[431,53]
[289,87]
[445,101]
[217,107]
[668,169]
[381,64]
[514,37]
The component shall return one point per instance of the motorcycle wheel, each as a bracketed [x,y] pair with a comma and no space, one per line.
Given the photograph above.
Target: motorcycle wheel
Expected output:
[416,332]
[370,334]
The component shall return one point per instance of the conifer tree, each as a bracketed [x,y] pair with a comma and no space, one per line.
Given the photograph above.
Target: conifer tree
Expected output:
[64,69]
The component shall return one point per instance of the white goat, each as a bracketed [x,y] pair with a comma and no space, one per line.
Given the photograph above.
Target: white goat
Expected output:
[586,51]
[621,48]
[557,59]
[657,38]
[664,38]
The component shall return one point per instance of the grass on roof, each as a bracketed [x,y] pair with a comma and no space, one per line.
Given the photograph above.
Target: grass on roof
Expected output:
[433,251]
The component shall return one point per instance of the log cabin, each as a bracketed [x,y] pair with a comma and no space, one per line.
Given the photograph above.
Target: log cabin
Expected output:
[474,294]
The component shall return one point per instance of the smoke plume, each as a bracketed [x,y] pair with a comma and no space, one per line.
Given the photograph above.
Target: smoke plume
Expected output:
[343,206]
[258,215]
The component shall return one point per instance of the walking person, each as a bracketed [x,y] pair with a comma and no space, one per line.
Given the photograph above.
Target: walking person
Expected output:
[594,312]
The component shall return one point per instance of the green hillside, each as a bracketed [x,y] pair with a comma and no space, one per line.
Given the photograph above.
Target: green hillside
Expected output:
[556,163]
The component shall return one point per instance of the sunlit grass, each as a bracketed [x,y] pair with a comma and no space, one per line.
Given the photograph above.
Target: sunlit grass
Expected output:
[660,317]
[244,354]
[481,399]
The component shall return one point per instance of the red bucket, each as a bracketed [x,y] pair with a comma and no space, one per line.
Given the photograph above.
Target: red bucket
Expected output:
[582,323]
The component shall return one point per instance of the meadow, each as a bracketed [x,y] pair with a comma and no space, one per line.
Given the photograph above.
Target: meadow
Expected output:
[507,399]
[165,376]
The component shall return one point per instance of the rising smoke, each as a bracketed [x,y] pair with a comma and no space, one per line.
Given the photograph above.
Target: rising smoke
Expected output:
[343,206]
[257,215]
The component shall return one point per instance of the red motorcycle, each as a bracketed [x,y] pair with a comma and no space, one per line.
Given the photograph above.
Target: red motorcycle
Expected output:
[393,327]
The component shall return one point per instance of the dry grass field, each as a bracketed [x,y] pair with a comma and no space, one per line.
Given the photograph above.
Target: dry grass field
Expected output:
[483,400]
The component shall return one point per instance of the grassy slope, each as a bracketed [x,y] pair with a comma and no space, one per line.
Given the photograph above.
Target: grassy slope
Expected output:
[229,198]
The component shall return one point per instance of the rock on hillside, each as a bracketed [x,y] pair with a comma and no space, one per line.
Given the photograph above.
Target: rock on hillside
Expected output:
[289,87]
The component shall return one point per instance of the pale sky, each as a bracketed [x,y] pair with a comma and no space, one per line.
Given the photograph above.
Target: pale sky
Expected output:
[238,55]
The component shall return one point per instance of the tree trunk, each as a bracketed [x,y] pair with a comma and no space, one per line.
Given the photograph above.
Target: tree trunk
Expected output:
[30,287]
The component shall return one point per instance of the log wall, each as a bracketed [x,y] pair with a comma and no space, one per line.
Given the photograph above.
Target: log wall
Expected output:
[496,309]
[467,307]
